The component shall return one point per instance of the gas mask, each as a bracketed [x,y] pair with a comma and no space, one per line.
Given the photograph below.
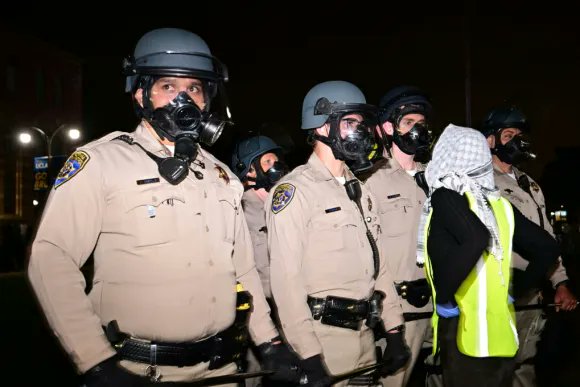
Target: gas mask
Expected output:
[268,178]
[515,151]
[350,139]
[415,142]
[181,116]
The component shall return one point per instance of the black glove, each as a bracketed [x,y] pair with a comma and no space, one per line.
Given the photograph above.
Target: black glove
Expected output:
[418,293]
[108,373]
[276,356]
[396,354]
[315,372]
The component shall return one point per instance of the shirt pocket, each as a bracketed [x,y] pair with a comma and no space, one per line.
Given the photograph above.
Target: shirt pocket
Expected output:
[396,216]
[229,207]
[153,215]
[334,231]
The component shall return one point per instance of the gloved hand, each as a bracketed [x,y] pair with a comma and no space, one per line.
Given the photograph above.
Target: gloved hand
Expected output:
[108,373]
[315,372]
[418,293]
[276,356]
[396,354]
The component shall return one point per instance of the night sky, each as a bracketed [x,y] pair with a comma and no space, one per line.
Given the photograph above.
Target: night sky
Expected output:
[524,56]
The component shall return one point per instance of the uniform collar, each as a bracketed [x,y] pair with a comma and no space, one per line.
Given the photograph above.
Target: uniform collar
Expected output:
[319,172]
[515,171]
[392,166]
[144,137]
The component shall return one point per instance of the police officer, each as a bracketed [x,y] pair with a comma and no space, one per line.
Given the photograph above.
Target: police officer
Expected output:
[505,129]
[403,113]
[163,218]
[328,277]
[257,162]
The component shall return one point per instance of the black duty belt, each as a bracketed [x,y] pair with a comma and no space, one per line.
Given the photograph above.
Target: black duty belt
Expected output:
[219,350]
[227,346]
[338,311]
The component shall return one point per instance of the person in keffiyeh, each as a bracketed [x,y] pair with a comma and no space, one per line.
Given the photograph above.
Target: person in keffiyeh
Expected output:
[466,236]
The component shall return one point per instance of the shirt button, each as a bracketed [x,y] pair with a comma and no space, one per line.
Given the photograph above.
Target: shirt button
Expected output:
[210,263]
[213,299]
[206,228]
[368,219]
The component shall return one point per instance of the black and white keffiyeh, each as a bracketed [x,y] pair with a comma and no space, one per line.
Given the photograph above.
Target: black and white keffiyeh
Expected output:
[462,162]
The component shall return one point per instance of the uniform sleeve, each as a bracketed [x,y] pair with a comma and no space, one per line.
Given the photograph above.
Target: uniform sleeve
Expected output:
[392,310]
[67,234]
[537,246]
[286,236]
[261,326]
[559,274]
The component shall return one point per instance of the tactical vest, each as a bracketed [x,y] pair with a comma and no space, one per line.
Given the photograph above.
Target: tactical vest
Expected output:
[487,318]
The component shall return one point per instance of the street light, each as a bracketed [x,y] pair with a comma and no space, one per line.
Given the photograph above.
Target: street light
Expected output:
[25,138]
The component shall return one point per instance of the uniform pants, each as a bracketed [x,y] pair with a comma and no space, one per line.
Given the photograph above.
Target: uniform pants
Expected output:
[416,333]
[530,324]
[460,370]
[343,349]
[252,366]
[181,374]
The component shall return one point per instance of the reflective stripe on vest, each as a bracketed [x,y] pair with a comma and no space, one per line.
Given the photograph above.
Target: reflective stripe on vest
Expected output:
[487,319]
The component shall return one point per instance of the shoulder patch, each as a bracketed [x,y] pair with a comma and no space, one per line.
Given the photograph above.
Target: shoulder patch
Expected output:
[75,163]
[282,197]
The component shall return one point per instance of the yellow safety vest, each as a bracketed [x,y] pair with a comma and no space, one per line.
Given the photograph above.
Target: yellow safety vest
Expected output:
[487,318]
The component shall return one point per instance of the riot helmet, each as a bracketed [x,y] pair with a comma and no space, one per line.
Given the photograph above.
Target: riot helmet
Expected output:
[248,153]
[400,102]
[335,103]
[172,52]
[518,148]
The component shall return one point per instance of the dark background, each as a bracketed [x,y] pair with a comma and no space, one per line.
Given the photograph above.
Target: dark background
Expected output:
[469,56]
[467,53]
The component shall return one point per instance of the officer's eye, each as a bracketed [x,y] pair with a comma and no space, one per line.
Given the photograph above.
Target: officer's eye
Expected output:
[167,87]
[194,89]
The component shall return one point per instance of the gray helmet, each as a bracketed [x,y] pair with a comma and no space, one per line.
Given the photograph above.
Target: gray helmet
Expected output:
[172,52]
[326,98]
[247,150]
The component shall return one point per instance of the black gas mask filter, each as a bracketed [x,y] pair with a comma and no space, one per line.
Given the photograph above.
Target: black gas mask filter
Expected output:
[515,151]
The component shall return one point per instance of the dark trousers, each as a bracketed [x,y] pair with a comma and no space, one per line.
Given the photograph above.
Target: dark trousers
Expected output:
[460,370]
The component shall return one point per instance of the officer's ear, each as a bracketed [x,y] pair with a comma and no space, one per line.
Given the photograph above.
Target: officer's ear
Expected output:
[491,141]
[324,130]
[139,97]
[388,128]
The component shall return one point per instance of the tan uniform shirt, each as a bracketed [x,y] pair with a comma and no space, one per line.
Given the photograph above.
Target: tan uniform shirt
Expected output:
[318,247]
[400,201]
[510,189]
[166,257]
[256,219]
